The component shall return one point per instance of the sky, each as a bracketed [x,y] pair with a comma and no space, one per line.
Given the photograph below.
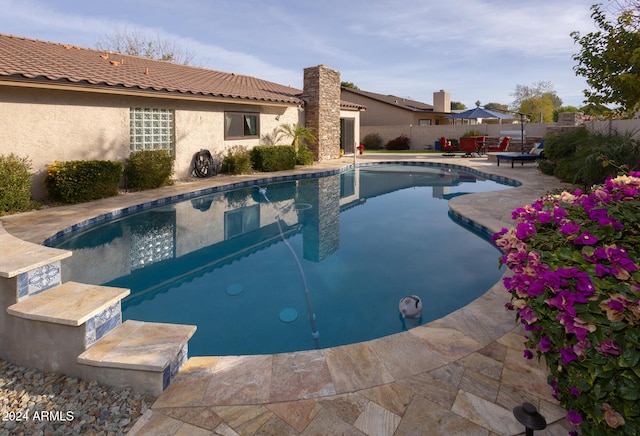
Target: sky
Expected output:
[477,50]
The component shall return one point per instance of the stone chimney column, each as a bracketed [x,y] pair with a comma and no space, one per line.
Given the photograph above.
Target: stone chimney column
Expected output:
[322,110]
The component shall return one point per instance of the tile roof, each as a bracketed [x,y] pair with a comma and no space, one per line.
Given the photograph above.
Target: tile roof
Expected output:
[404,103]
[35,61]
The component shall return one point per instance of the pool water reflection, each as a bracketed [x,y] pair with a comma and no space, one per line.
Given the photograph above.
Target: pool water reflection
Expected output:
[364,239]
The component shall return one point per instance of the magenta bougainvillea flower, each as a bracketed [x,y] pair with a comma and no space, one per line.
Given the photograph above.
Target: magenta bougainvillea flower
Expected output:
[609,347]
[576,289]
[545,344]
[574,417]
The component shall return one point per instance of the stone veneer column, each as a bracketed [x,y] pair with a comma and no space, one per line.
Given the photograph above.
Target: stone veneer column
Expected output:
[322,110]
[321,230]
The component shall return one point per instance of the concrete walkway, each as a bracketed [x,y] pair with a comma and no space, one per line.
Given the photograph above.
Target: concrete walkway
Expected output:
[462,374]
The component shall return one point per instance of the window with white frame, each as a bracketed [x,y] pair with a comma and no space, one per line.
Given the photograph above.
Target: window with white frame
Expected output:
[151,129]
[241,125]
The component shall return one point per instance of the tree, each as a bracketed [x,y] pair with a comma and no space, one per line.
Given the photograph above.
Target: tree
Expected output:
[595,110]
[348,85]
[457,106]
[610,58]
[297,133]
[497,107]
[539,101]
[132,43]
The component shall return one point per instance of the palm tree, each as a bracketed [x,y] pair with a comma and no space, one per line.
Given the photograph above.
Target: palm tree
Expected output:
[298,133]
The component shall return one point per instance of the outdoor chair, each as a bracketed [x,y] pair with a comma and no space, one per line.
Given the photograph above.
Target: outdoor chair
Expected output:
[446,146]
[503,144]
[469,146]
[534,154]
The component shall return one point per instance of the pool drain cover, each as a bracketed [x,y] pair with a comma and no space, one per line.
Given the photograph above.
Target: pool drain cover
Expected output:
[234,289]
[288,315]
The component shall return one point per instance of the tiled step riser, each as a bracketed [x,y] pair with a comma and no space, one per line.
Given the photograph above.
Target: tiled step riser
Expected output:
[171,371]
[38,280]
[101,324]
[30,283]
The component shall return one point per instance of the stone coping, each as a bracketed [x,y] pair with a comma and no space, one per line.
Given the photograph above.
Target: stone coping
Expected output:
[18,256]
[142,346]
[70,303]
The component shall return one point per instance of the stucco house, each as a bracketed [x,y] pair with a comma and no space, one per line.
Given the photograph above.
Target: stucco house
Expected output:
[64,102]
[390,110]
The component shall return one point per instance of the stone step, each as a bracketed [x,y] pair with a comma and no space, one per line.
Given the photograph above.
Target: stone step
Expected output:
[26,269]
[71,304]
[50,329]
[18,256]
[144,355]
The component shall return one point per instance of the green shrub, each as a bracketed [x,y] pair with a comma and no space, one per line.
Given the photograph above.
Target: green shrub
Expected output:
[579,156]
[148,169]
[547,166]
[372,141]
[304,156]
[621,149]
[402,142]
[470,133]
[236,160]
[15,184]
[79,181]
[273,158]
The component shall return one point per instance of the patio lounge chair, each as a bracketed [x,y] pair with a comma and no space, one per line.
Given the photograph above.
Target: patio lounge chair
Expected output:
[447,147]
[536,153]
[503,144]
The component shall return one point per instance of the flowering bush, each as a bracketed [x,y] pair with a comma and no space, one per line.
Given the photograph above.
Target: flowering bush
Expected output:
[402,142]
[575,288]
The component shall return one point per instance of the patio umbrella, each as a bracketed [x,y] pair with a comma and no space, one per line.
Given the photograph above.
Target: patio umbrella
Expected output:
[478,112]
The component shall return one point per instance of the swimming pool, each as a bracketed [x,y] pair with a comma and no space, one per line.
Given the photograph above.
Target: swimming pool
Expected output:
[302,264]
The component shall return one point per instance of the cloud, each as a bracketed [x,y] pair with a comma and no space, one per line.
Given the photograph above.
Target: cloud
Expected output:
[476,49]
[533,28]
[220,59]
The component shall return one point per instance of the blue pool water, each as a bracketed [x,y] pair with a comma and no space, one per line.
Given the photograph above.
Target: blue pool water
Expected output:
[312,263]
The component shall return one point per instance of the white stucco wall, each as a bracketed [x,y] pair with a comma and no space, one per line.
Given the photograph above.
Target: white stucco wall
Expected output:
[49,125]
[46,126]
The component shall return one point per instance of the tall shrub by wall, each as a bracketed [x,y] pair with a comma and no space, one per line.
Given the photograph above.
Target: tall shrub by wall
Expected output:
[15,184]
[148,169]
[80,181]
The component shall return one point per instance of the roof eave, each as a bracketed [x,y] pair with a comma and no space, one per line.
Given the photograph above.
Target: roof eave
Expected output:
[142,92]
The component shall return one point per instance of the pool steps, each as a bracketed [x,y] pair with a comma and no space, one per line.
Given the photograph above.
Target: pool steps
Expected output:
[76,328]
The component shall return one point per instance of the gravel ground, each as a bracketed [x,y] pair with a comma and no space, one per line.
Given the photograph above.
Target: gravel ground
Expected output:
[33,403]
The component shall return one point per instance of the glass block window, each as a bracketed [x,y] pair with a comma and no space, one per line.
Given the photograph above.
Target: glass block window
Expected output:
[151,129]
